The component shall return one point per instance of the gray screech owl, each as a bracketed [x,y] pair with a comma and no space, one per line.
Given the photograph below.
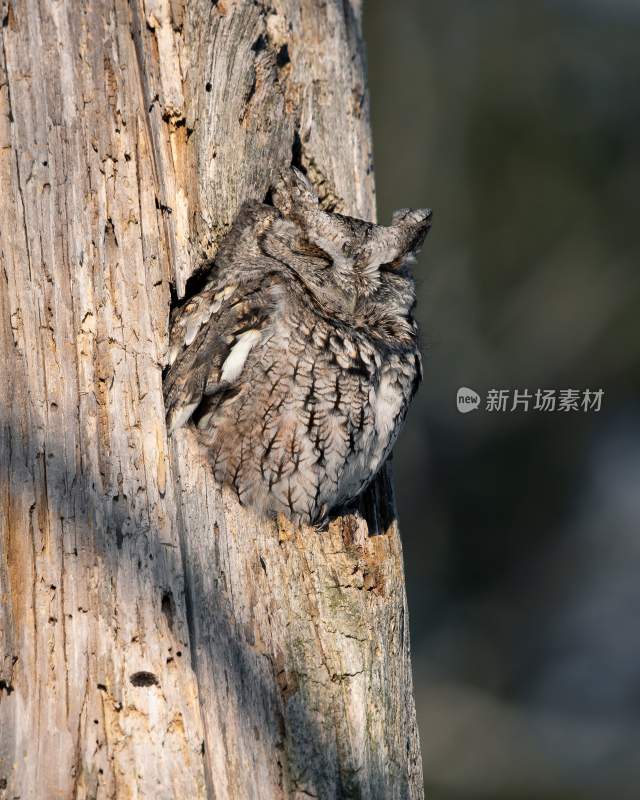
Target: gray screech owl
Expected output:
[297,361]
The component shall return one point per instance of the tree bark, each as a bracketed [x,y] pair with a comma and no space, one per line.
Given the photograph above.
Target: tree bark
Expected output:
[156,640]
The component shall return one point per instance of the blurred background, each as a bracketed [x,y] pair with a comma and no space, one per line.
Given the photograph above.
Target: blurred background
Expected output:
[519,123]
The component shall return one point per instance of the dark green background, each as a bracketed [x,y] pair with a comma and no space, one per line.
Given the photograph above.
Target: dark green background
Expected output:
[519,124]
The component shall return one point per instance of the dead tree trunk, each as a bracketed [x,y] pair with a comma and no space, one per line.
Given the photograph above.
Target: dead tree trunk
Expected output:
[157,641]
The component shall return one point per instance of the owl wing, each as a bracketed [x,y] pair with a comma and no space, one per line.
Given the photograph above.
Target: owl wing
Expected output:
[210,339]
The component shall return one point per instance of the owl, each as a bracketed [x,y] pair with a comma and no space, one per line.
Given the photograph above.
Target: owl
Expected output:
[296,362]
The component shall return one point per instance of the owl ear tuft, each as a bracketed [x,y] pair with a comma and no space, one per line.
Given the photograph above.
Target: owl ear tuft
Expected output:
[292,189]
[396,245]
[412,217]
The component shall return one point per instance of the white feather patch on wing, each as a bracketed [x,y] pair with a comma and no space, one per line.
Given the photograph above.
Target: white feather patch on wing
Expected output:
[235,361]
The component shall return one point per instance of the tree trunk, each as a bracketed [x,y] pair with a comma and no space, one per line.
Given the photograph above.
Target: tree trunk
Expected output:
[156,640]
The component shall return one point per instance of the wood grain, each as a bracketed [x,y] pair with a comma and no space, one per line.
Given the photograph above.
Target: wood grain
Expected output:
[155,639]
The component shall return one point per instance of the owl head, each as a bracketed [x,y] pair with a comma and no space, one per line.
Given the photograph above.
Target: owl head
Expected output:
[342,261]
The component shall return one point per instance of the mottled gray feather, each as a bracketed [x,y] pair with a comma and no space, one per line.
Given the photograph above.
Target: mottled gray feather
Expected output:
[297,361]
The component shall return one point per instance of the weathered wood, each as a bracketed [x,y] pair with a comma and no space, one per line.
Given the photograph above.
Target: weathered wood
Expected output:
[155,639]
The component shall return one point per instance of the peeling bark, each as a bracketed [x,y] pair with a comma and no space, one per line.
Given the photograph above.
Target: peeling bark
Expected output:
[155,639]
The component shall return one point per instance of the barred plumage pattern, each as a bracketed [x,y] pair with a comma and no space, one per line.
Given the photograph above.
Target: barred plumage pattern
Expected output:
[297,361]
